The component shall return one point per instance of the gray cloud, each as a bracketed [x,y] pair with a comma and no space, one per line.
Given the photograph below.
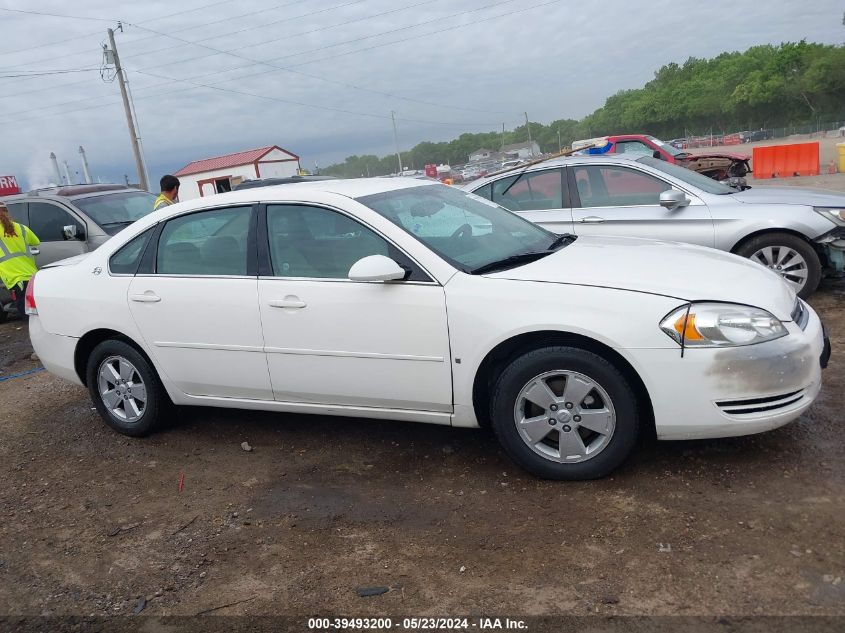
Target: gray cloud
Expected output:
[560,60]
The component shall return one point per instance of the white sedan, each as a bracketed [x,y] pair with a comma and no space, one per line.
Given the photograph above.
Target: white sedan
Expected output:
[409,300]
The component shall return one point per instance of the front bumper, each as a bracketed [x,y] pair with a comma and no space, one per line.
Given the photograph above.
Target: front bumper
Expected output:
[735,391]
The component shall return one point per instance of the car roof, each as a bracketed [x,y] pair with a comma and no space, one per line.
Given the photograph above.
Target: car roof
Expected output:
[67,193]
[282,180]
[561,161]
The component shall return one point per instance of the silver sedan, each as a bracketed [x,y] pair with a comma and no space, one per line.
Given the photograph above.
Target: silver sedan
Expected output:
[799,233]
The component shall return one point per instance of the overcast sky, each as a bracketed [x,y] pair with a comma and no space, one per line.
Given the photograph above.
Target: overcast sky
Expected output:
[338,67]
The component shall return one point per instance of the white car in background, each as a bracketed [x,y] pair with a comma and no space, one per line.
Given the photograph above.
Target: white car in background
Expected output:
[409,300]
[799,233]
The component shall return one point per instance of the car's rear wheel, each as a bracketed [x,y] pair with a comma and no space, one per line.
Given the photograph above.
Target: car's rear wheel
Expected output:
[789,256]
[125,388]
[565,413]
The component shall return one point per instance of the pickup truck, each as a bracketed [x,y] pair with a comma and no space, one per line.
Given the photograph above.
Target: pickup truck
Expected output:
[721,166]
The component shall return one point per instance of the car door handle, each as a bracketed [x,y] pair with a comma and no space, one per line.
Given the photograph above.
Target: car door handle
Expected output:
[591,219]
[288,302]
[147,297]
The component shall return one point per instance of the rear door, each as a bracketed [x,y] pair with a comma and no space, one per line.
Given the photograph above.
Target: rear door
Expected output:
[195,301]
[622,200]
[48,220]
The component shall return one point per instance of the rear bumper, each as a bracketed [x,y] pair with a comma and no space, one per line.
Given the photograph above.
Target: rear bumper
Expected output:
[54,351]
[735,391]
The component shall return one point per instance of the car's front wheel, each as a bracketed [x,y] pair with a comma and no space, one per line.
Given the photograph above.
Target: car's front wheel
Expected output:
[789,256]
[565,413]
[125,388]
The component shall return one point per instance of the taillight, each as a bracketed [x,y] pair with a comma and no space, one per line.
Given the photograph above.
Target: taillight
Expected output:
[29,298]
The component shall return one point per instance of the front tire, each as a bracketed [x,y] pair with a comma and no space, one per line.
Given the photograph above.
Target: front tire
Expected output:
[789,256]
[565,413]
[125,389]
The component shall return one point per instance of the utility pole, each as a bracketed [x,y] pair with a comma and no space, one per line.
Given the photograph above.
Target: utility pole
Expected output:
[56,171]
[559,146]
[396,141]
[67,172]
[528,127]
[130,122]
[503,137]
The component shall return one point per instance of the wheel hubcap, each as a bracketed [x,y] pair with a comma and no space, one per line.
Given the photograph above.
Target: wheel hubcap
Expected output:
[788,263]
[564,416]
[122,389]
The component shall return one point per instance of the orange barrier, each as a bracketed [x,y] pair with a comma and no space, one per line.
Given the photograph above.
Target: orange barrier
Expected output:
[785,161]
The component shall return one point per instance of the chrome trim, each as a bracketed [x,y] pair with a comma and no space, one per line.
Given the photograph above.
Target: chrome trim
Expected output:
[344,354]
[349,281]
[209,346]
[766,404]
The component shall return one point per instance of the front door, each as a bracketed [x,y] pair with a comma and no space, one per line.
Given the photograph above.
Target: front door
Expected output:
[538,196]
[330,340]
[620,200]
[48,220]
[197,306]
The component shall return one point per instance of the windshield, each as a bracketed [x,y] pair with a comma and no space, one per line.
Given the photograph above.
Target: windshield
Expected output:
[116,210]
[688,176]
[669,149]
[469,232]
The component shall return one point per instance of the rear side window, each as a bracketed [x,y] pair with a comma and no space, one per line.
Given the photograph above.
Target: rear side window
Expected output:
[126,260]
[205,243]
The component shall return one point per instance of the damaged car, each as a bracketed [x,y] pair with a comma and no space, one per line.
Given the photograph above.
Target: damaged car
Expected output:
[728,167]
[798,233]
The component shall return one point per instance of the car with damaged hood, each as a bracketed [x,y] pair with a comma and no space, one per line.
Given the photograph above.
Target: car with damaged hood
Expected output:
[799,233]
[406,300]
[728,167]
[74,219]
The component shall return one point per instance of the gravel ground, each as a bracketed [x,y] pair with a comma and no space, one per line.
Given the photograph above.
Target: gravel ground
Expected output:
[320,507]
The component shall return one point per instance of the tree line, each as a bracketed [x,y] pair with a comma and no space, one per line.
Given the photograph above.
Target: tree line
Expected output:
[763,87]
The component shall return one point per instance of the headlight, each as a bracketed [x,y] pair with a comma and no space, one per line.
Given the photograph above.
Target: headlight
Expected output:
[721,325]
[834,214]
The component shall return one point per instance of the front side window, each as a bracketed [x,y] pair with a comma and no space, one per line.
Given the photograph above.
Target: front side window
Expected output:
[48,221]
[206,243]
[464,229]
[633,147]
[127,259]
[607,186]
[532,191]
[318,243]
[17,210]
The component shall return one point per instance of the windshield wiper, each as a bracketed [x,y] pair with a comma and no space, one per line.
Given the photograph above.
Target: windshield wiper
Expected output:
[562,240]
[509,262]
[117,223]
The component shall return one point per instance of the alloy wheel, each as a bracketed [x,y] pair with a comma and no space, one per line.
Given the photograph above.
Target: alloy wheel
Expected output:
[564,416]
[787,262]
[122,389]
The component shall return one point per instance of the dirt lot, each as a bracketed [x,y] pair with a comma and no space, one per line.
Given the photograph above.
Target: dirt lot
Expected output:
[93,521]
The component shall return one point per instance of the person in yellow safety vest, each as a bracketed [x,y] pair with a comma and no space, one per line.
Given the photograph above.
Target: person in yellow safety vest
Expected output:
[169,192]
[17,265]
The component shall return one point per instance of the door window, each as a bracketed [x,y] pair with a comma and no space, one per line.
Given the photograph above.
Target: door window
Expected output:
[633,147]
[319,243]
[47,221]
[605,186]
[205,243]
[529,192]
[18,212]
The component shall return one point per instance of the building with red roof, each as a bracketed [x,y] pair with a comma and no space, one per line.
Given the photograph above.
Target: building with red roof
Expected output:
[221,173]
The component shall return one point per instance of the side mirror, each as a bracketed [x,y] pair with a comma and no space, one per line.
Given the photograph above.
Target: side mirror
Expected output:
[70,232]
[673,199]
[376,268]
[34,250]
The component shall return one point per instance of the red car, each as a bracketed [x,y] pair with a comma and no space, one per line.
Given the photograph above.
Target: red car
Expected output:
[716,165]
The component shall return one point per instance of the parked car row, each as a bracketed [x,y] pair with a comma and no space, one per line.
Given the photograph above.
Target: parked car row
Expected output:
[406,299]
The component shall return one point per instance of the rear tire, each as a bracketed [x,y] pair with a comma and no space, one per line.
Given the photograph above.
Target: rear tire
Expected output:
[125,389]
[565,413]
[776,249]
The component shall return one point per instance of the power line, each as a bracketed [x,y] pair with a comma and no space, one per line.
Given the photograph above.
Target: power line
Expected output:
[56,15]
[48,72]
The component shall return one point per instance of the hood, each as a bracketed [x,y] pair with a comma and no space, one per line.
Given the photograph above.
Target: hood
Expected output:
[791,195]
[682,271]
